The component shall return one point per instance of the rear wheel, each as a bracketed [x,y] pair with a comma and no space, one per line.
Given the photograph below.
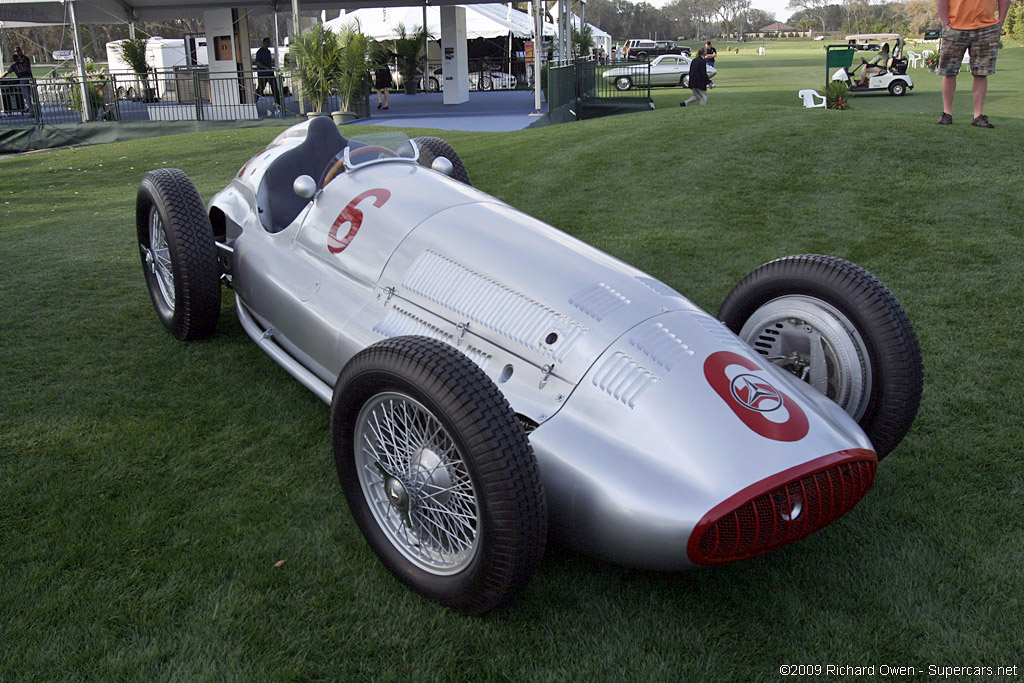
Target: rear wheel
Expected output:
[623,83]
[486,83]
[897,88]
[179,254]
[685,81]
[433,147]
[438,473]
[840,329]
[433,85]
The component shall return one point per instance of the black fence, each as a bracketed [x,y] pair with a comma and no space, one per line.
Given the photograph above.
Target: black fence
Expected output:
[181,94]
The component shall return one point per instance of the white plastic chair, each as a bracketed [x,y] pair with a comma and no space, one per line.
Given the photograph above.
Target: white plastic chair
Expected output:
[809,97]
[927,53]
[915,59]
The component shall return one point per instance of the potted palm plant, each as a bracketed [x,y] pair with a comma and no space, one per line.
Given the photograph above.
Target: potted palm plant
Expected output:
[133,51]
[355,63]
[409,48]
[318,54]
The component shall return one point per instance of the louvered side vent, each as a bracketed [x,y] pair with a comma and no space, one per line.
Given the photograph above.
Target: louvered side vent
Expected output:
[784,513]
[493,305]
[719,331]
[623,378]
[598,300]
[659,287]
[660,345]
[400,323]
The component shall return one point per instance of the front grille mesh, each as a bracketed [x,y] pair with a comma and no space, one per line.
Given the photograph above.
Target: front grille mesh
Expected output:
[784,514]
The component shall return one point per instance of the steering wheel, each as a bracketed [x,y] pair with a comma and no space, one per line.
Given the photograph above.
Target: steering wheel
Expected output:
[353,154]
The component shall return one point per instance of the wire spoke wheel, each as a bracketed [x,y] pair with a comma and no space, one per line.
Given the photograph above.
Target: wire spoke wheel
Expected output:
[158,257]
[416,483]
[438,473]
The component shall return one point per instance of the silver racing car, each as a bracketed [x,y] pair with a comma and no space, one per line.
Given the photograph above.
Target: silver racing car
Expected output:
[491,379]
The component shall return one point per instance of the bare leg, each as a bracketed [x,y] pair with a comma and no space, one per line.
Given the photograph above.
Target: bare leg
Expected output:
[978,89]
[948,90]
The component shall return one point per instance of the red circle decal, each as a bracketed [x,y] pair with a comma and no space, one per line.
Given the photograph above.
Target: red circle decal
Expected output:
[755,401]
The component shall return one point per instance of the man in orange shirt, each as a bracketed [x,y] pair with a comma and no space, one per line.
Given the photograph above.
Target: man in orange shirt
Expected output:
[974,25]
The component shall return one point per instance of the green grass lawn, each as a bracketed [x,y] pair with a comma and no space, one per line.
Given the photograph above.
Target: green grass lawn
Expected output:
[148,488]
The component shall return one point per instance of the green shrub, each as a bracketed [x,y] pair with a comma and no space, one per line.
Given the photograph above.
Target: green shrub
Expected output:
[837,95]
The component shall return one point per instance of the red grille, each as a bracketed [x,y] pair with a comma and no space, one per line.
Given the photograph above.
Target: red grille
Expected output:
[783,508]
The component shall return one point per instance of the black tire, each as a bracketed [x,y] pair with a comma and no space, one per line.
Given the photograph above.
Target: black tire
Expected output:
[783,305]
[132,95]
[685,81]
[486,83]
[179,256]
[897,88]
[623,83]
[434,85]
[433,147]
[121,92]
[485,475]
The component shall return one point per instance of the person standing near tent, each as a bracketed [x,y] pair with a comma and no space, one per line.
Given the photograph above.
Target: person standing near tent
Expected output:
[698,79]
[973,25]
[21,97]
[383,82]
[710,53]
[265,72]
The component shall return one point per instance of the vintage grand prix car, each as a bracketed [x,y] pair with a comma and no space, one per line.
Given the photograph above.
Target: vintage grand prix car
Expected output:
[491,378]
[665,70]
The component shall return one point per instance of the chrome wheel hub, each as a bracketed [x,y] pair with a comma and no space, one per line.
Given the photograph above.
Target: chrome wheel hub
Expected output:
[416,483]
[816,342]
[158,257]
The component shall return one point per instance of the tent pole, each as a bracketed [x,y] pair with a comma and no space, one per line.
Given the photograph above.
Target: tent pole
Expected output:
[80,62]
[296,30]
[426,49]
[538,43]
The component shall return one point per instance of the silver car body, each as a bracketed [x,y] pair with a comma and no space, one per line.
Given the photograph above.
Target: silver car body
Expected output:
[652,419]
[664,70]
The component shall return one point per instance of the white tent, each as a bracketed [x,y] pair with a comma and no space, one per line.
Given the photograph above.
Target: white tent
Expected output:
[602,39]
[482,21]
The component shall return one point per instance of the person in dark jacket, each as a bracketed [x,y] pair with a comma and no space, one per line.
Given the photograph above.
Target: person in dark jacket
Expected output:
[19,98]
[698,79]
[265,72]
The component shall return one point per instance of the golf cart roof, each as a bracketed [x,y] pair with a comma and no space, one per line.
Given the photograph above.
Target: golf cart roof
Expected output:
[873,36]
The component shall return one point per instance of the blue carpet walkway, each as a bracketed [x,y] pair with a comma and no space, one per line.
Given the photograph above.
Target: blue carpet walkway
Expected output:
[497,111]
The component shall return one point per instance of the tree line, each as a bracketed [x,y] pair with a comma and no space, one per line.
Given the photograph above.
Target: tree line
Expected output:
[623,19]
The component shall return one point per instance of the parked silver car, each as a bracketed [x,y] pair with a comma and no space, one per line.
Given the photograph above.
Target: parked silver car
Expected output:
[665,70]
[490,377]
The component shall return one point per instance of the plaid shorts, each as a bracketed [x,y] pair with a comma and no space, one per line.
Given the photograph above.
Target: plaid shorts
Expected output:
[983,44]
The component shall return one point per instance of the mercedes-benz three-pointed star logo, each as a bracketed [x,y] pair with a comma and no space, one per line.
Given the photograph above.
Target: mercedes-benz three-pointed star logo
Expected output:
[753,393]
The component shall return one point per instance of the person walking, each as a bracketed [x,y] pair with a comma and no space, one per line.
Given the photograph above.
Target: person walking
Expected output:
[21,97]
[265,72]
[383,82]
[973,25]
[698,79]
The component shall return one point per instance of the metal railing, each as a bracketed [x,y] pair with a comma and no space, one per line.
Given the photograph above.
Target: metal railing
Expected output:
[181,94]
[590,80]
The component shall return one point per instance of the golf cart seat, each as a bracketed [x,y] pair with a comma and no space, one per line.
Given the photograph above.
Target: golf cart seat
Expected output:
[809,97]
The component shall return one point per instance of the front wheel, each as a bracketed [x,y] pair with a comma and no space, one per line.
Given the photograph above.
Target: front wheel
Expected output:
[836,326]
[623,83]
[897,88]
[433,147]
[685,81]
[438,473]
[179,254]
[486,83]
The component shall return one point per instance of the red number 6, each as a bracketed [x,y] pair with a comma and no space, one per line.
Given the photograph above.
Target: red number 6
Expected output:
[350,214]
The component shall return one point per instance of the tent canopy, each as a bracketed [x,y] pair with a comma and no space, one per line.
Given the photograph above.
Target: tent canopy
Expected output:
[482,21]
[116,11]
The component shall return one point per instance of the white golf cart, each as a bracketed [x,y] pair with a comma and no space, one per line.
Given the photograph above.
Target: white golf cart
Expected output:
[893,76]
